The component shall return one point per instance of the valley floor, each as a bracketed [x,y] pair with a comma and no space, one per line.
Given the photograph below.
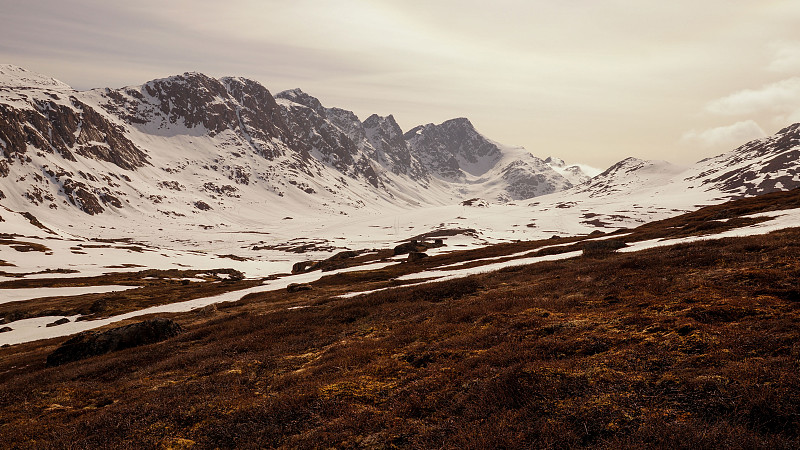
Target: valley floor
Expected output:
[687,341]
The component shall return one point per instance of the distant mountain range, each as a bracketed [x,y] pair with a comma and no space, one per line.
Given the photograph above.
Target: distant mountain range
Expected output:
[191,145]
[191,140]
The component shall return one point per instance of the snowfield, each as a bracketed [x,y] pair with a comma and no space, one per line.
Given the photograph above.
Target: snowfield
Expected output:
[36,328]
[16,295]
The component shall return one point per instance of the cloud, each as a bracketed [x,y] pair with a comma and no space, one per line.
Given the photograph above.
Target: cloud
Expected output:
[782,97]
[726,136]
[786,57]
[508,65]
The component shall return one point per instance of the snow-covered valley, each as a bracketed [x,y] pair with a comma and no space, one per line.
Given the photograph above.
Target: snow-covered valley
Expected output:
[195,173]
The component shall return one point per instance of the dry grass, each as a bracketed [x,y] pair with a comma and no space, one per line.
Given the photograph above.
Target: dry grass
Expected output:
[690,346]
[24,246]
[156,287]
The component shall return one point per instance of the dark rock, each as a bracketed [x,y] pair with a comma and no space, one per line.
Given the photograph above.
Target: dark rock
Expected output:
[445,147]
[602,247]
[6,329]
[304,266]
[327,265]
[297,287]
[202,206]
[408,247]
[235,275]
[104,402]
[475,202]
[92,343]
[58,322]
[99,306]
[416,256]
[347,254]
[419,361]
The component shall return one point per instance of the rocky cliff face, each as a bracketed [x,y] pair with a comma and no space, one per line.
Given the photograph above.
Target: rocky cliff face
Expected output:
[45,120]
[391,149]
[453,149]
[66,129]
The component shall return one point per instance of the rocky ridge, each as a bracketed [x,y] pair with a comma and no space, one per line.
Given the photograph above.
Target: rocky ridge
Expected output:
[191,140]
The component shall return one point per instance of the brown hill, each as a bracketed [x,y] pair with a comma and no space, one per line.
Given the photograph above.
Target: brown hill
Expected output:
[687,346]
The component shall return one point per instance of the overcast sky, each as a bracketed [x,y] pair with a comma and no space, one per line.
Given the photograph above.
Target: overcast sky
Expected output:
[591,81]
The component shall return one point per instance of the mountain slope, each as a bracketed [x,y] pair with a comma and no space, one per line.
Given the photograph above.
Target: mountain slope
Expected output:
[191,145]
[757,167]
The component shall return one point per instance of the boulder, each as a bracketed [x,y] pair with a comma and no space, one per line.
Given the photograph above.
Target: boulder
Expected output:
[416,256]
[347,254]
[297,287]
[407,247]
[304,266]
[58,322]
[93,343]
[603,247]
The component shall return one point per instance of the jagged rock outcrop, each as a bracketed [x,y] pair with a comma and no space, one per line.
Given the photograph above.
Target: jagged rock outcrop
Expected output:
[94,343]
[68,128]
[391,149]
[453,148]
[317,135]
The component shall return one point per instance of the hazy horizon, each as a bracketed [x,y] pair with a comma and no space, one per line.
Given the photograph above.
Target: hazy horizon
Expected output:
[589,82]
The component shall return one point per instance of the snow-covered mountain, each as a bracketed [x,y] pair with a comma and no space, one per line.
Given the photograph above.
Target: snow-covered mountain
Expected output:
[454,151]
[575,173]
[200,163]
[757,167]
[629,176]
[189,144]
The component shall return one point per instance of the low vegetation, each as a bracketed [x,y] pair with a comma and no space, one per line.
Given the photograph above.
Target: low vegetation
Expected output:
[689,346]
[156,287]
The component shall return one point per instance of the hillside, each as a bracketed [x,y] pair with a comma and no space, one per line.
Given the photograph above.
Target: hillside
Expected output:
[594,341]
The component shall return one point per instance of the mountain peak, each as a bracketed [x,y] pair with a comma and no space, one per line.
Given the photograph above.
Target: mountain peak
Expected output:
[17,77]
[555,162]
[459,122]
[298,96]
[185,77]
[453,148]
[791,129]
[375,120]
[631,164]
